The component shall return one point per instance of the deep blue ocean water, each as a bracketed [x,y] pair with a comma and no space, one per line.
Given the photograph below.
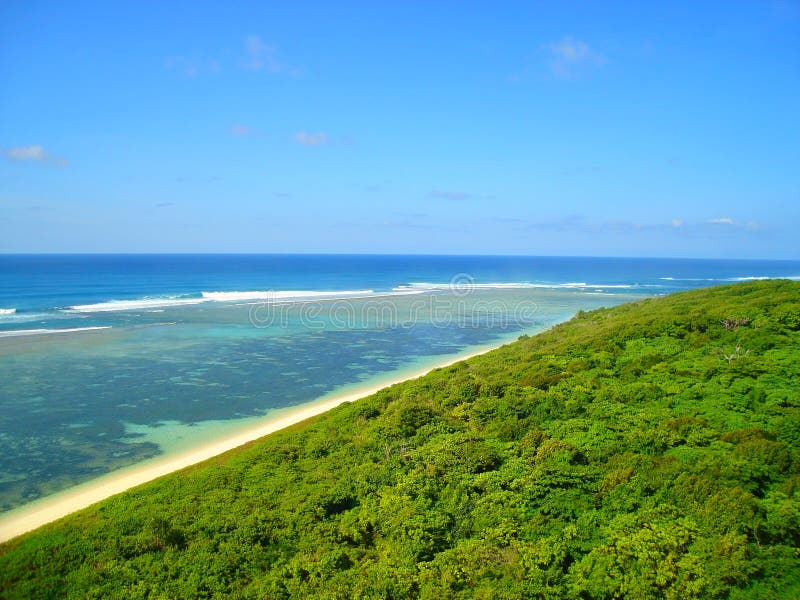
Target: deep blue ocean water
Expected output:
[39,283]
[109,360]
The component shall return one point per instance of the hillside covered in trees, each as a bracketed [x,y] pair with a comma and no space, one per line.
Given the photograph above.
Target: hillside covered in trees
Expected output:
[650,450]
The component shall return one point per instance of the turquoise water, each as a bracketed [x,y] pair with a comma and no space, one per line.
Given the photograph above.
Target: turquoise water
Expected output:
[107,362]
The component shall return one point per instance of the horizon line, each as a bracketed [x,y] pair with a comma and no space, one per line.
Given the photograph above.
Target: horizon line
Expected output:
[420,254]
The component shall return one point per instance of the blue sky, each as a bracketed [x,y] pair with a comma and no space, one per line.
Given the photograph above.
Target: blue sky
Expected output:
[611,129]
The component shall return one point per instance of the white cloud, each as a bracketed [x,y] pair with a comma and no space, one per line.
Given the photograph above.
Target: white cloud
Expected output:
[569,54]
[36,153]
[33,153]
[243,131]
[310,139]
[256,55]
[260,56]
[582,224]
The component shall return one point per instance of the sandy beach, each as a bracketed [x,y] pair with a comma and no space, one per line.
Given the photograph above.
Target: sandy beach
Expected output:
[40,512]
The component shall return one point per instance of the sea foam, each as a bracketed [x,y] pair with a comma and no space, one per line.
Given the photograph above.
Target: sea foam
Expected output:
[119,305]
[5,312]
[27,332]
[462,286]
[733,279]
[282,295]
[236,296]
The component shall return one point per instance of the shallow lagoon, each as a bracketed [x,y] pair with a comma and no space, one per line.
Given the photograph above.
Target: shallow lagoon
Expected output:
[82,404]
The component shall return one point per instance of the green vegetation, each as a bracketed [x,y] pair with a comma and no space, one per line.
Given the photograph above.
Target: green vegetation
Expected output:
[646,451]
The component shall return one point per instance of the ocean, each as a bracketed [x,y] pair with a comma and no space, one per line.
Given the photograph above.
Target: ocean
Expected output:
[107,361]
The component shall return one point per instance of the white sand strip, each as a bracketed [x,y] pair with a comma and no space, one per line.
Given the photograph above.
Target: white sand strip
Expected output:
[39,512]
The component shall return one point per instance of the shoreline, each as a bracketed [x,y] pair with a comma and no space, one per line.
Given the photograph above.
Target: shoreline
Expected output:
[33,515]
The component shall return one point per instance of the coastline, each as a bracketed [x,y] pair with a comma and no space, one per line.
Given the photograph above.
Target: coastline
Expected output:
[40,512]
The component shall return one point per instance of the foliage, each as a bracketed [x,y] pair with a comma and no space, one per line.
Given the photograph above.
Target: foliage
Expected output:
[619,454]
